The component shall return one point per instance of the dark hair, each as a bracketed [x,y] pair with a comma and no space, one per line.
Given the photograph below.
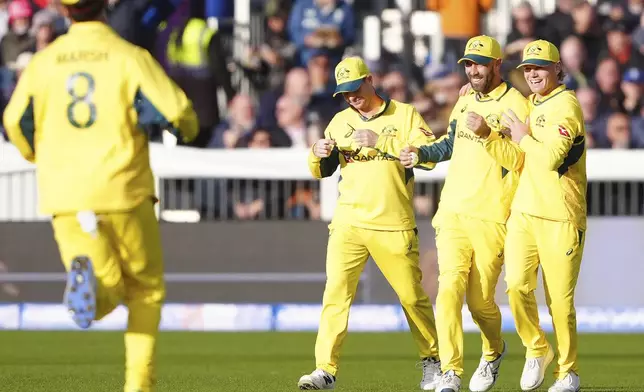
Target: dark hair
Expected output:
[86,10]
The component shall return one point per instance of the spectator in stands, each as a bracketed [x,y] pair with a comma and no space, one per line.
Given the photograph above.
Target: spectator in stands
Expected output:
[394,85]
[4,17]
[607,79]
[276,56]
[322,26]
[17,39]
[588,27]
[618,131]
[42,29]
[291,119]
[619,46]
[638,36]
[198,64]
[561,22]
[525,28]
[595,125]
[319,67]
[297,84]
[574,60]
[240,121]
[444,91]
[460,20]
[633,87]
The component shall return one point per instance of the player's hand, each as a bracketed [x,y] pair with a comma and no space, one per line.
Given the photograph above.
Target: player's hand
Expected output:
[409,157]
[464,90]
[365,137]
[476,123]
[323,147]
[518,128]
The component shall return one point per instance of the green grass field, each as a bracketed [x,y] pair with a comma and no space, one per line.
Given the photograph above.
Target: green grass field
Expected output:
[231,362]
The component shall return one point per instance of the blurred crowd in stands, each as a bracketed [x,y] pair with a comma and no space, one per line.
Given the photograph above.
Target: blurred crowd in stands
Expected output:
[291,61]
[287,64]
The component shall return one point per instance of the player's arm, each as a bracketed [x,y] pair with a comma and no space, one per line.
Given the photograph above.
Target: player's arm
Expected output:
[324,156]
[553,150]
[160,102]
[500,146]
[18,116]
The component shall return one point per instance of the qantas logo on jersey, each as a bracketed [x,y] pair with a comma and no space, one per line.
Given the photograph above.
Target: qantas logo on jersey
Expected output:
[359,155]
[469,136]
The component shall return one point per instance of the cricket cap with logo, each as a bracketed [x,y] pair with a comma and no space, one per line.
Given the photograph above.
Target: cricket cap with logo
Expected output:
[350,74]
[540,53]
[482,50]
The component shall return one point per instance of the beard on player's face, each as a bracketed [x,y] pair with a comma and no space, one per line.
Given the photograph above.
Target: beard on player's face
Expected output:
[481,77]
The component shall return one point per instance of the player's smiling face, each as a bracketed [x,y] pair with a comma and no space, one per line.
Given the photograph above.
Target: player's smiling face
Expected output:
[541,80]
[481,76]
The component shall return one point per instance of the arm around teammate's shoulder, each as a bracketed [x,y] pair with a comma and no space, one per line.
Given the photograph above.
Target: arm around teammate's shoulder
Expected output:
[18,117]
[159,101]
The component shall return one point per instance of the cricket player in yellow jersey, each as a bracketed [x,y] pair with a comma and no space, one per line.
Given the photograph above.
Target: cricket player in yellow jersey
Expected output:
[374,216]
[80,112]
[548,220]
[473,209]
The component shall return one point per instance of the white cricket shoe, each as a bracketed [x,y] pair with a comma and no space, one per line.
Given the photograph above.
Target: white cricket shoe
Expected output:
[431,373]
[319,379]
[570,383]
[449,382]
[534,371]
[486,374]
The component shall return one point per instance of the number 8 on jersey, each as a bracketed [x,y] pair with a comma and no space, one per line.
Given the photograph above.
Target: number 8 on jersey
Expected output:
[81,111]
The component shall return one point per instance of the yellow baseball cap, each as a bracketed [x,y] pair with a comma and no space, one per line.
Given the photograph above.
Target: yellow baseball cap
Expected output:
[481,50]
[349,75]
[541,53]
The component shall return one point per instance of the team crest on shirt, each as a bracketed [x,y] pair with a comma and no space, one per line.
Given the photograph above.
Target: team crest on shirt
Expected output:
[389,130]
[540,121]
[342,74]
[493,121]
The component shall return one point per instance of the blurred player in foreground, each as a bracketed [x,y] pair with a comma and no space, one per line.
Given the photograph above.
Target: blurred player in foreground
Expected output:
[474,207]
[80,113]
[548,220]
[374,216]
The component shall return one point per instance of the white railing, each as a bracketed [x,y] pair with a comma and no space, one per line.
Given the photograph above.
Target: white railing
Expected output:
[18,190]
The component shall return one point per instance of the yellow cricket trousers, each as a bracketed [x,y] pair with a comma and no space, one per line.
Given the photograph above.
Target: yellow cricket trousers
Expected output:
[470,259]
[396,254]
[128,264]
[558,248]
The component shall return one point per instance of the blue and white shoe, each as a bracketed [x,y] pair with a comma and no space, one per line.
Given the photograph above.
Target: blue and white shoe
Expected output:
[487,373]
[80,292]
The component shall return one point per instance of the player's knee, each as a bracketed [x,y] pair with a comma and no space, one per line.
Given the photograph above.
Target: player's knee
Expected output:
[518,287]
[410,298]
[481,305]
[561,307]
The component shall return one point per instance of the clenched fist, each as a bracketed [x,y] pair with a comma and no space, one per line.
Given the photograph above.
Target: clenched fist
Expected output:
[323,147]
[365,137]
[476,123]
[409,157]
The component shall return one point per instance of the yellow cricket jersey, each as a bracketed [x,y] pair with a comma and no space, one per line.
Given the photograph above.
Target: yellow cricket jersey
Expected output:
[80,113]
[553,182]
[376,191]
[483,173]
